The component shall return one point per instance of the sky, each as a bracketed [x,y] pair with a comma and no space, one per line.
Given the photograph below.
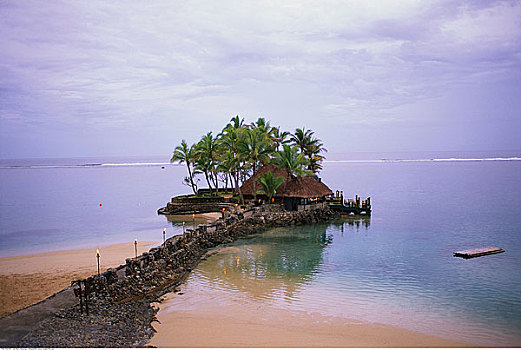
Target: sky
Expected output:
[116,78]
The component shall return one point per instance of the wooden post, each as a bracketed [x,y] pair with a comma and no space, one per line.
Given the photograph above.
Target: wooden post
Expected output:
[97,257]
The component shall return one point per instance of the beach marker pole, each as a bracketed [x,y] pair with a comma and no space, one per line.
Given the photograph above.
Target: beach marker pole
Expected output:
[97,257]
[164,237]
[135,247]
[183,227]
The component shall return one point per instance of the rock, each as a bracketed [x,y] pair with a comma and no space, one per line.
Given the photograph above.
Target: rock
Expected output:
[121,314]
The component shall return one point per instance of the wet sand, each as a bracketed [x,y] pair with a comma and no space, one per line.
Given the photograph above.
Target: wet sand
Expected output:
[28,279]
[254,326]
[218,306]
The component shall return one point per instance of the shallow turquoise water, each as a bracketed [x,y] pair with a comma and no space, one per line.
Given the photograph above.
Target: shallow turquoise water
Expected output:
[348,269]
[396,268]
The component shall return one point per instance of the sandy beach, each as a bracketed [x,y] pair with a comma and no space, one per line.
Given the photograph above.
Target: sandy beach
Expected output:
[252,326]
[27,279]
[218,307]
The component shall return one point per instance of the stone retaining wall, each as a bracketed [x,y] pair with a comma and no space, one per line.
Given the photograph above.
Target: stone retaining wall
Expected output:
[152,273]
[121,314]
[182,207]
[184,200]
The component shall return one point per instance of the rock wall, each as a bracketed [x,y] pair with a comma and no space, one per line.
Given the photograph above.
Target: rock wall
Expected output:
[121,314]
[189,207]
[159,269]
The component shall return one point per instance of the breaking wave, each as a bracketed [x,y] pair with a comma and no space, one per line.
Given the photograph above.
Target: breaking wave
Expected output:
[164,164]
[503,159]
[87,165]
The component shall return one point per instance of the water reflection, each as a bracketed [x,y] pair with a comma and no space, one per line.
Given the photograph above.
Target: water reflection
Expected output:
[275,263]
[355,222]
[192,221]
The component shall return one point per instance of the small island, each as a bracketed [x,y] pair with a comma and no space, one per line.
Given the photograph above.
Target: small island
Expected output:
[248,165]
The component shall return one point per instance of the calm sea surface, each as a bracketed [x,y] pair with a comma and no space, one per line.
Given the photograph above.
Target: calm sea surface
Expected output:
[396,267]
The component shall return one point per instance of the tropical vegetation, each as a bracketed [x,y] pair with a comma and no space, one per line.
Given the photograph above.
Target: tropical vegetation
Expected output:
[229,158]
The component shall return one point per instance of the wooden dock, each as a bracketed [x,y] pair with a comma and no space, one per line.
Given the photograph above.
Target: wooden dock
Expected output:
[473,253]
[355,206]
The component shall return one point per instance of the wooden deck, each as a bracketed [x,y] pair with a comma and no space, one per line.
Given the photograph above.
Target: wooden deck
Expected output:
[355,206]
[350,210]
[473,253]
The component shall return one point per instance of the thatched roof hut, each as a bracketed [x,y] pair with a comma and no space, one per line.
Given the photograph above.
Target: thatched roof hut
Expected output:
[297,187]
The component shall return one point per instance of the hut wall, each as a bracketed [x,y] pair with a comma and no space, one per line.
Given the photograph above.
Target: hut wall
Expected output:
[291,203]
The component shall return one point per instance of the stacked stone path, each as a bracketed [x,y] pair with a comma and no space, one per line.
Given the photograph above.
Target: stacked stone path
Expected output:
[121,314]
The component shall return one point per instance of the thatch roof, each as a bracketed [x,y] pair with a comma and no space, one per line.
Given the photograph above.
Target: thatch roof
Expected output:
[301,187]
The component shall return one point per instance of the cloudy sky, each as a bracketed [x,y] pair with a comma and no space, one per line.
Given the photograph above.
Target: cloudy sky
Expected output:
[98,78]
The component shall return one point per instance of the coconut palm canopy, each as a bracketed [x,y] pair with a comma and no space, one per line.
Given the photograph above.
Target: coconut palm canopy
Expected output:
[229,158]
[296,186]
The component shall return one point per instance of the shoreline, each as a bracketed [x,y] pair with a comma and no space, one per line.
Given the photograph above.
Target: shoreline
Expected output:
[195,315]
[27,279]
[121,303]
[30,278]
[253,326]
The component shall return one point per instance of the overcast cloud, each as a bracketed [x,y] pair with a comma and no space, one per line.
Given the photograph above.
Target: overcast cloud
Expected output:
[90,78]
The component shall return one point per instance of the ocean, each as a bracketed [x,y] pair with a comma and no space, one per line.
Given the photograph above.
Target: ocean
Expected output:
[395,268]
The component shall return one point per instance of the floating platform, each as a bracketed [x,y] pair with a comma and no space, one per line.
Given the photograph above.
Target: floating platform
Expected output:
[474,253]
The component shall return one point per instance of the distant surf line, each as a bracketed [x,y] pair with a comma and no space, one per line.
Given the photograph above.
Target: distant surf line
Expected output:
[88,165]
[502,159]
[162,164]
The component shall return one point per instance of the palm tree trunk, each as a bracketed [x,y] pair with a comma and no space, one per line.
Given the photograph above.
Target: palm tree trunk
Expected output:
[254,183]
[191,179]
[225,181]
[242,197]
[287,180]
[208,182]
[215,180]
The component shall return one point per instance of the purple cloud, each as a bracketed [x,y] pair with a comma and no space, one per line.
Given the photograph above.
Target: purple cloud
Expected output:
[78,78]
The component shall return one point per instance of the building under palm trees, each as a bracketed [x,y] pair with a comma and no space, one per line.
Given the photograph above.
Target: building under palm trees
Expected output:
[295,192]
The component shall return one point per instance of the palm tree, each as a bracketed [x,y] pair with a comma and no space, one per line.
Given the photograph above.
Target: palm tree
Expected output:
[229,141]
[292,161]
[187,155]
[310,146]
[270,184]
[302,138]
[262,125]
[236,123]
[279,138]
[207,161]
[241,148]
[228,165]
[314,155]
[254,147]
